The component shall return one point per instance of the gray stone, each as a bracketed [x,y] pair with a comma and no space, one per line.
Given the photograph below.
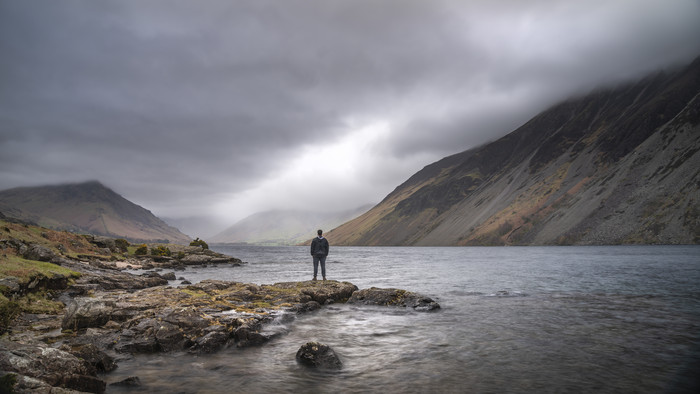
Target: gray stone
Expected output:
[53,367]
[318,355]
[86,312]
[11,283]
[38,253]
[169,276]
[99,360]
[216,337]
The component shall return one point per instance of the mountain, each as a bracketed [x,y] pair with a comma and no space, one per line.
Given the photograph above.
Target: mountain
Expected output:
[284,227]
[618,166]
[86,207]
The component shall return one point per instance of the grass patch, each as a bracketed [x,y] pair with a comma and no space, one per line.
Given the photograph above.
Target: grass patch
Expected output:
[40,302]
[25,270]
[195,293]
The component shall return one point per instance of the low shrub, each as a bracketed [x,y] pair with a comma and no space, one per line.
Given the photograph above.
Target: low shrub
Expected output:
[122,244]
[199,242]
[160,250]
[8,311]
[141,250]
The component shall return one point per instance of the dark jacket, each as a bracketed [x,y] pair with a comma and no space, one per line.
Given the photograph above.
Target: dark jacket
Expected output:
[319,247]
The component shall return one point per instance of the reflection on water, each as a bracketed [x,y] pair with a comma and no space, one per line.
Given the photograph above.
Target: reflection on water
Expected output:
[512,320]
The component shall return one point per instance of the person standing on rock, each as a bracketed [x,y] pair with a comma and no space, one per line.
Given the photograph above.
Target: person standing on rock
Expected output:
[319,251]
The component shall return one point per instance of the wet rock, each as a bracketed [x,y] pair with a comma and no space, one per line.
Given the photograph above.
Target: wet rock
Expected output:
[249,335]
[305,307]
[393,297]
[169,276]
[92,344]
[53,367]
[215,338]
[131,381]
[86,312]
[85,383]
[169,337]
[99,360]
[151,335]
[129,342]
[318,355]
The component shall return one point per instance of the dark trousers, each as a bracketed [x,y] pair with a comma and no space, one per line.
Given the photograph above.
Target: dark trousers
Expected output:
[322,260]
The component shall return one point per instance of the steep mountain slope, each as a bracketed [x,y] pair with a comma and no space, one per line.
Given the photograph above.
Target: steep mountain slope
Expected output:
[284,227]
[616,166]
[86,207]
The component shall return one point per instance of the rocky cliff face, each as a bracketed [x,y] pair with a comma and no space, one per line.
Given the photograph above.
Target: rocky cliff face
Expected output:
[88,207]
[619,166]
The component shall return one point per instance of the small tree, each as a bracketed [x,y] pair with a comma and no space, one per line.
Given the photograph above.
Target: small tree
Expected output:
[199,242]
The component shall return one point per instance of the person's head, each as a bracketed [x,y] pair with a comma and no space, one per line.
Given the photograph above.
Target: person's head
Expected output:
[319,232]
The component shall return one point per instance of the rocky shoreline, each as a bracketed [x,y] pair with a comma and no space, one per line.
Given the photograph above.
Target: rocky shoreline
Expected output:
[110,314]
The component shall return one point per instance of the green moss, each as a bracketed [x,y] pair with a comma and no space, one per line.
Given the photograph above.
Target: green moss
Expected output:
[7,383]
[260,304]
[200,243]
[25,270]
[40,302]
[194,293]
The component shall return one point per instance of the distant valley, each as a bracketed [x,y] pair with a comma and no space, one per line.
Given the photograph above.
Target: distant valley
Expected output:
[284,227]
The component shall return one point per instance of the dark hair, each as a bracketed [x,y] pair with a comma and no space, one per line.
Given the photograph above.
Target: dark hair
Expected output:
[319,232]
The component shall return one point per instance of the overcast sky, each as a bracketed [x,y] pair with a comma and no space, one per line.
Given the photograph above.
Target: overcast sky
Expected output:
[226,108]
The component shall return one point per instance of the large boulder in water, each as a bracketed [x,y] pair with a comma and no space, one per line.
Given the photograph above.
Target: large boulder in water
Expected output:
[393,297]
[318,355]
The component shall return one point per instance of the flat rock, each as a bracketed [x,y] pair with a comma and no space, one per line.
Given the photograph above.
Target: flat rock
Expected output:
[393,297]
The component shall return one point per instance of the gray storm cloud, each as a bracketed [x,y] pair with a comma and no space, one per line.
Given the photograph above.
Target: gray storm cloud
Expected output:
[218,107]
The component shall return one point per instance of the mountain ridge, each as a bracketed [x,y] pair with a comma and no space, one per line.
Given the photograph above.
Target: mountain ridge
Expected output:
[86,207]
[563,177]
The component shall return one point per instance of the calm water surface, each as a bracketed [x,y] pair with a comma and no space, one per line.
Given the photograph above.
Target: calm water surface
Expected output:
[513,320]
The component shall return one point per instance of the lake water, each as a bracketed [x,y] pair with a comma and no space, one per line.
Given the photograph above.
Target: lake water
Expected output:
[513,320]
